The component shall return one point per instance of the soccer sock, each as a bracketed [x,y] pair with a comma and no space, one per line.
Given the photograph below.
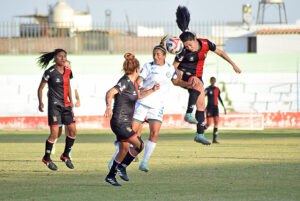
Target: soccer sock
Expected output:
[117,150]
[128,159]
[69,143]
[113,171]
[200,118]
[48,149]
[150,146]
[192,100]
[215,134]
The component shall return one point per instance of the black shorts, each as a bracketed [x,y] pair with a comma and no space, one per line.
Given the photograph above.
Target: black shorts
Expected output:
[186,76]
[123,131]
[212,112]
[58,114]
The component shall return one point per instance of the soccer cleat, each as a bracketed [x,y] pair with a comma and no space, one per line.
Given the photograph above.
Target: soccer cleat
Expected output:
[144,167]
[67,160]
[121,170]
[205,127]
[49,164]
[215,142]
[112,180]
[201,139]
[190,118]
[136,159]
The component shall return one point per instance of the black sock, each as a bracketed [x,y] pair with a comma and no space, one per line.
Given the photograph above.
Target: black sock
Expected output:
[113,171]
[128,159]
[200,119]
[215,134]
[48,150]
[68,147]
[192,100]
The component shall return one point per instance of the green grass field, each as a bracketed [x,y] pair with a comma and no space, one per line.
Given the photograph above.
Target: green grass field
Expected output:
[247,165]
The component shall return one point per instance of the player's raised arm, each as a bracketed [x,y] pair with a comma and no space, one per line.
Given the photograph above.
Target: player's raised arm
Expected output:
[223,54]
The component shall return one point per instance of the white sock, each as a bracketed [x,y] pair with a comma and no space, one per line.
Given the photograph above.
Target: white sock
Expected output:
[150,146]
[55,140]
[117,151]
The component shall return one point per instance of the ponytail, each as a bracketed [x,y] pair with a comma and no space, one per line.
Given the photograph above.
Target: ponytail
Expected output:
[183,20]
[161,45]
[45,58]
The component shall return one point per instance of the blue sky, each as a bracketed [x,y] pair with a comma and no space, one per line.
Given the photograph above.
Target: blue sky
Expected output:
[152,10]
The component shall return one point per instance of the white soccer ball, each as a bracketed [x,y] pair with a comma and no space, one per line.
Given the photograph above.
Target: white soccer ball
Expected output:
[174,45]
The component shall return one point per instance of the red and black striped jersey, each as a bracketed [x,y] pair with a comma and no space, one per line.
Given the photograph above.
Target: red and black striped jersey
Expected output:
[58,85]
[125,100]
[213,94]
[193,62]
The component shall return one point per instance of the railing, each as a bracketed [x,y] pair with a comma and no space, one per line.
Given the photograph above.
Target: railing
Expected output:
[139,37]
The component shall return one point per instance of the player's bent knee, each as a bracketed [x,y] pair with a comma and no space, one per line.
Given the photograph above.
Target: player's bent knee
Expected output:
[141,147]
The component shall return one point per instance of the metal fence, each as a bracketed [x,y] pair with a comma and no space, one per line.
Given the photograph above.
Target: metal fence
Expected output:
[139,37]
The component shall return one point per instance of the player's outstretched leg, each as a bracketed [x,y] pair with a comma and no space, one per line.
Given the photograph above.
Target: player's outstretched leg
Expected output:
[200,129]
[46,159]
[65,156]
[150,146]
[111,177]
[189,117]
[215,135]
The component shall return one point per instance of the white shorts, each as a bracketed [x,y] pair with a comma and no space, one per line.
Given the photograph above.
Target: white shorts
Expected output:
[143,112]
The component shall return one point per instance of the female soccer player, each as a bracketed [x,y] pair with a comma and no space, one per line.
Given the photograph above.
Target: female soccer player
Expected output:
[212,110]
[60,103]
[190,64]
[125,93]
[77,104]
[152,107]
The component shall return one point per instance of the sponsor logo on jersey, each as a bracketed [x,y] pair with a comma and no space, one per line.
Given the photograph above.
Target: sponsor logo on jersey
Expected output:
[153,72]
[134,93]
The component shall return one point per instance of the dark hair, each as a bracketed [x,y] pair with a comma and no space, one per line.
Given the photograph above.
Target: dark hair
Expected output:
[161,45]
[183,20]
[212,78]
[130,64]
[46,57]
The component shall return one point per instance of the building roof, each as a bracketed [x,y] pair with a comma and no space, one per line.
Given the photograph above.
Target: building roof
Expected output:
[277,31]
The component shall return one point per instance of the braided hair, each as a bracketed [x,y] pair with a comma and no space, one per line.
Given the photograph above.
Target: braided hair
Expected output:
[183,20]
[46,57]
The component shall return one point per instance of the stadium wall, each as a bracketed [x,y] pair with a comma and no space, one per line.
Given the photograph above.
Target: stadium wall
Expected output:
[267,85]
[270,120]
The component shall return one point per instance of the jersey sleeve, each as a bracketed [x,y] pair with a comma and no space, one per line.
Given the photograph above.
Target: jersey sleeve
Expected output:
[46,75]
[121,85]
[211,45]
[144,71]
[179,57]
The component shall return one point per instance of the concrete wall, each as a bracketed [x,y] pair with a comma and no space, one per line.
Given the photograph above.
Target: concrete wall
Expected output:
[236,45]
[278,43]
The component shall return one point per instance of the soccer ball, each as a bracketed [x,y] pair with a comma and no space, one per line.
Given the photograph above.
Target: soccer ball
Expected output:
[174,45]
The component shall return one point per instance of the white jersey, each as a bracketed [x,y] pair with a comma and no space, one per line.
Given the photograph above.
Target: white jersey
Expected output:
[154,74]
